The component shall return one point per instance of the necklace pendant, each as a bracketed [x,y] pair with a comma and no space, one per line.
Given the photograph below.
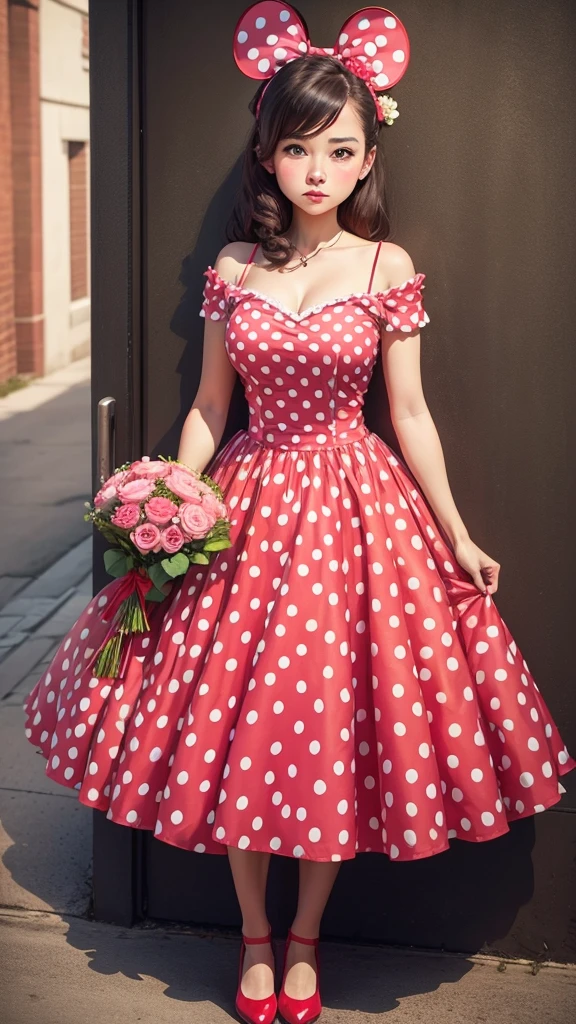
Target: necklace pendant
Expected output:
[304,263]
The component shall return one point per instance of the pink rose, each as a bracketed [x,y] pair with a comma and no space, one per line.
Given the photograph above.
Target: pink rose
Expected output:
[160,510]
[150,469]
[196,522]
[184,484]
[146,537]
[203,487]
[212,505]
[117,478]
[186,469]
[135,490]
[105,494]
[126,516]
[172,539]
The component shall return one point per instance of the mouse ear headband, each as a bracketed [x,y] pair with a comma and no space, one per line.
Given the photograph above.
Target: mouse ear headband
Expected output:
[372,43]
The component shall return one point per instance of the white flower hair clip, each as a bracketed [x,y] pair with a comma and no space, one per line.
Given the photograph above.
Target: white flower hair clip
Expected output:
[388,107]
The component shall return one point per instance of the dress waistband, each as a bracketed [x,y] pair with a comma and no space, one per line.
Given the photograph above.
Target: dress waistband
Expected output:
[303,444]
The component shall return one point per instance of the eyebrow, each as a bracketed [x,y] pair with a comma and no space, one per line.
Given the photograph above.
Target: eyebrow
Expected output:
[349,138]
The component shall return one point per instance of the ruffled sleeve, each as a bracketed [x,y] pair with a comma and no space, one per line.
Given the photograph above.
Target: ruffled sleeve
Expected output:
[214,305]
[401,305]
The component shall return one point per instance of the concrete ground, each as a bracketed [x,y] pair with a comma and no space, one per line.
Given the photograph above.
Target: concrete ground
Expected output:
[58,970]
[45,473]
[57,965]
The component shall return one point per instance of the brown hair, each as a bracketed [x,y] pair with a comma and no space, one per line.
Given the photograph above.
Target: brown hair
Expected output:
[303,98]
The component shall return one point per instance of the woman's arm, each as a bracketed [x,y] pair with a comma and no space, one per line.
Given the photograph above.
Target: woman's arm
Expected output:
[419,439]
[205,423]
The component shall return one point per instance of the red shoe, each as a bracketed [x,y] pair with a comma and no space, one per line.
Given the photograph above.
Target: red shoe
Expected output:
[300,1011]
[254,1011]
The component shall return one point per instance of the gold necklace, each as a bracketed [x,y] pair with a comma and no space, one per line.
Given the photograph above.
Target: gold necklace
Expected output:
[303,261]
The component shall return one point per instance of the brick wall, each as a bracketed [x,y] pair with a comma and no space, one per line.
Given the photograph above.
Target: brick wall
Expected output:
[7,331]
[26,188]
[78,184]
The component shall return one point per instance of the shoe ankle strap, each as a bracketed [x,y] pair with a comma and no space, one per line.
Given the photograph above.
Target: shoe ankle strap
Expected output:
[300,938]
[261,938]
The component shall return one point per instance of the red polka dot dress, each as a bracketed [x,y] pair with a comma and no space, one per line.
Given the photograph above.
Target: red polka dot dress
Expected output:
[332,684]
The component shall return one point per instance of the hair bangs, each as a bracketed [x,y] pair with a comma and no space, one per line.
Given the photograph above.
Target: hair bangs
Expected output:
[298,113]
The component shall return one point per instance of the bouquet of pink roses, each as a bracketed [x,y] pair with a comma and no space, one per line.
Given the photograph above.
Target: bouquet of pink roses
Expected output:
[160,516]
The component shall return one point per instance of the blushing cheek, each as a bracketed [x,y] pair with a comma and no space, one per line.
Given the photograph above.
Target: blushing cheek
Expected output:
[288,176]
[349,173]
[346,177]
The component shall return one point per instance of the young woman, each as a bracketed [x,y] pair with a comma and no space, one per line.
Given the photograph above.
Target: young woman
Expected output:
[340,680]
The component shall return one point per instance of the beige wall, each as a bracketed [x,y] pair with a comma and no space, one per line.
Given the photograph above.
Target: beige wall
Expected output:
[64,101]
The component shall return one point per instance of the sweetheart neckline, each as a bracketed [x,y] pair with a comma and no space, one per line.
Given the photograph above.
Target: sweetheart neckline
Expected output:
[321,305]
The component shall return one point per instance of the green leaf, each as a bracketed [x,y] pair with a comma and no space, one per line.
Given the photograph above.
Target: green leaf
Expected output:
[115,562]
[177,565]
[217,545]
[155,595]
[199,558]
[158,575]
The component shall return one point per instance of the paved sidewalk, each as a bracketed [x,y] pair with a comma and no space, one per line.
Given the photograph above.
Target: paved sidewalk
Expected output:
[55,968]
[33,623]
[45,389]
[45,834]
[45,468]
[45,581]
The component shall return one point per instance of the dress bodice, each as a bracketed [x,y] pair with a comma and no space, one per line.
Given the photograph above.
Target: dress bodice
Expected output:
[305,374]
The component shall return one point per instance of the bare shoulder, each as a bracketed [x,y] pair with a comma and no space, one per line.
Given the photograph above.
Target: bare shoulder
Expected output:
[232,259]
[395,266]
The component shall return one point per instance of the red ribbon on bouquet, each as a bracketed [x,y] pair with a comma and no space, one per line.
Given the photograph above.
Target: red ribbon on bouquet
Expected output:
[134,581]
[127,610]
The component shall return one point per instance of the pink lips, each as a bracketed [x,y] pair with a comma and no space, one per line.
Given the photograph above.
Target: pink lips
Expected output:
[316,195]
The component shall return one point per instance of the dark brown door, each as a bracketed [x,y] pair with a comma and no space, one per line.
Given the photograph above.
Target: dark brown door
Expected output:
[480,167]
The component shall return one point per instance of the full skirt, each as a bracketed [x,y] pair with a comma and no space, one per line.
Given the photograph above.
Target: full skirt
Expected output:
[332,684]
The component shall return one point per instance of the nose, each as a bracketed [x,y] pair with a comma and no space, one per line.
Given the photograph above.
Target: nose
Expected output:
[315,176]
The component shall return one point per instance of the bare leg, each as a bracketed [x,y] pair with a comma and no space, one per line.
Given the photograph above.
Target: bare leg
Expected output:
[316,881]
[250,872]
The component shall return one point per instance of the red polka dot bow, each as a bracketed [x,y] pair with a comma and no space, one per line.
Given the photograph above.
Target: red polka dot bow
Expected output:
[372,43]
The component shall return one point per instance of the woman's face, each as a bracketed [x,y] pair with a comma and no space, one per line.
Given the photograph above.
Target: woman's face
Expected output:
[328,164]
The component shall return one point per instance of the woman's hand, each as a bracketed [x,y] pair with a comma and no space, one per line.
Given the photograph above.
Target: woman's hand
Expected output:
[483,569]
